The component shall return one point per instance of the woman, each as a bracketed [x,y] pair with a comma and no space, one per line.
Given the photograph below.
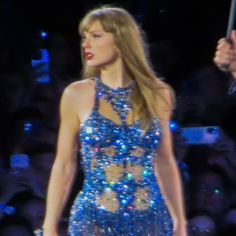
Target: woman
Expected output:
[121,112]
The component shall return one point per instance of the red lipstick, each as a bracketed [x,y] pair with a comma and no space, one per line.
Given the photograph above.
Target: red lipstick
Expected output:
[89,55]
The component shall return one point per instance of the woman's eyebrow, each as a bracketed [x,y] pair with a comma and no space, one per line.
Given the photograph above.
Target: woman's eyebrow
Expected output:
[94,31]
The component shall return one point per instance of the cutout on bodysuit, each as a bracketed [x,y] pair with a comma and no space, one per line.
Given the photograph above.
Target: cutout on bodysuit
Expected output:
[107,111]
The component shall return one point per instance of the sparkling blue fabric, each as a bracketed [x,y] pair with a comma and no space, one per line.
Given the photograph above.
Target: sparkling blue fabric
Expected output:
[120,194]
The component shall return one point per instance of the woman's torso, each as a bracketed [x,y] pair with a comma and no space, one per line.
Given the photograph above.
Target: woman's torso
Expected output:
[118,156]
[120,194]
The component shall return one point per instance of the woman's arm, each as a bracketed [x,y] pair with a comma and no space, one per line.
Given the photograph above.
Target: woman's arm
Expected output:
[64,167]
[168,174]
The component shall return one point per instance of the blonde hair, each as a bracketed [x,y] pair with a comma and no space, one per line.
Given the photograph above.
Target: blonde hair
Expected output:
[147,99]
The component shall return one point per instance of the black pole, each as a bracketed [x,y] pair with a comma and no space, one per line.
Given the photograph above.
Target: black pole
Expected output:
[229,29]
[231,18]
[232,87]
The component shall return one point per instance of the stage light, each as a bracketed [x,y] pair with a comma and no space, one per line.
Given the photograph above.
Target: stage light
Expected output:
[43,34]
[27,127]
[174,126]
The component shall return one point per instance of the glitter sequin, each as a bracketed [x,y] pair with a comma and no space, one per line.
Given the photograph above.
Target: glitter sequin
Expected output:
[120,195]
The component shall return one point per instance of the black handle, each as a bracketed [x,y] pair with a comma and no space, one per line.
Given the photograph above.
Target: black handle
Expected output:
[229,30]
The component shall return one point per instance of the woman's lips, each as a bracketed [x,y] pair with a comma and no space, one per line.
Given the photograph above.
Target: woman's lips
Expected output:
[89,55]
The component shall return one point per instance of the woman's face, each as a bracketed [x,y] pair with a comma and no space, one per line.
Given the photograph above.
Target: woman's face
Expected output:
[99,47]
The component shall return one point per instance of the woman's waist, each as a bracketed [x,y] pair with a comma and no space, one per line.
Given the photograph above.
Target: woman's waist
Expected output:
[122,196]
[126,186]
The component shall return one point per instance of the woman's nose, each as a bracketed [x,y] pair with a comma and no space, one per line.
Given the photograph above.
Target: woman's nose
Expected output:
[86,43]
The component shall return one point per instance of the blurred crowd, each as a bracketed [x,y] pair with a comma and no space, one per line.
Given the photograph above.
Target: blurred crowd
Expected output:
[30,96]
[29,105]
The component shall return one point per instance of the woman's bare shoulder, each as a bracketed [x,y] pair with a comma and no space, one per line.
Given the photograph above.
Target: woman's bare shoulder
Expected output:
[79,89]
[165,90]
[165,96]
[81,86]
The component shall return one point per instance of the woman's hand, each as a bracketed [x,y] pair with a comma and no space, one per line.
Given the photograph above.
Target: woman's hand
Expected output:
[50,232]
[180,228]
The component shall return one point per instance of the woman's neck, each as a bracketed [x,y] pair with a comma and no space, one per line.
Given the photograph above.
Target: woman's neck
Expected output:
[114,75]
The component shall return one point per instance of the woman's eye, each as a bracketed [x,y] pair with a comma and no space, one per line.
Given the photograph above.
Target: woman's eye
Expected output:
[97,35]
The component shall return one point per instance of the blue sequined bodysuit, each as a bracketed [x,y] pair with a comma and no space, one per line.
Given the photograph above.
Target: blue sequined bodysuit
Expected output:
[120,194]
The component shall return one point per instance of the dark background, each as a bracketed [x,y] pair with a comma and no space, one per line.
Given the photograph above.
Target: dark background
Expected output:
[188,29]
[182,36]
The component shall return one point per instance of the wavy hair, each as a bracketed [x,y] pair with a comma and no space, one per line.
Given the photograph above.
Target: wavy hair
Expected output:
[147,99]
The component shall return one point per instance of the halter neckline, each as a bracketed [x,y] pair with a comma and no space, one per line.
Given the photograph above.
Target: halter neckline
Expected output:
[117,89]
[117,97]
